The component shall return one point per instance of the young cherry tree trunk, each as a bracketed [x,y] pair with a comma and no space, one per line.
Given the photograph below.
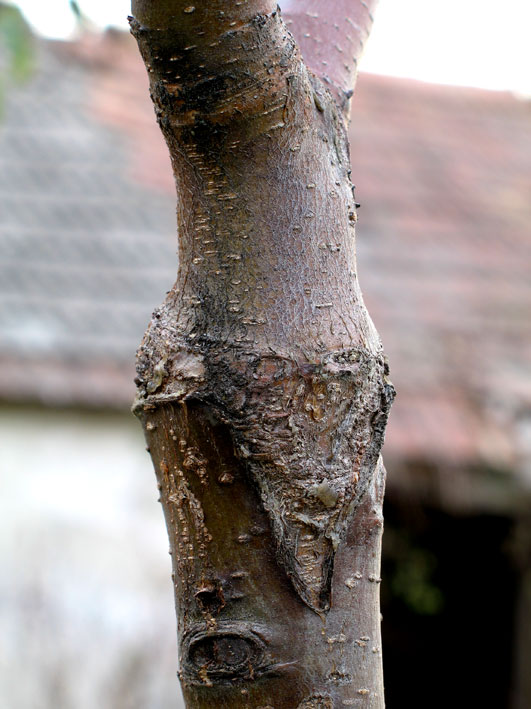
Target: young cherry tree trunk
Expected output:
[261,379]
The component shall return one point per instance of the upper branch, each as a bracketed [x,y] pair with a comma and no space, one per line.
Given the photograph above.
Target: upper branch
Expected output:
[331,36]
[218,69]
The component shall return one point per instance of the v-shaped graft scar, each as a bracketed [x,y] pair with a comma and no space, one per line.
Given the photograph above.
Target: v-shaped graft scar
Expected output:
[310,435]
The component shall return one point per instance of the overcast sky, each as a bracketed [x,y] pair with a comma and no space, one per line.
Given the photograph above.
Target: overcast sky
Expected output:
[485,43]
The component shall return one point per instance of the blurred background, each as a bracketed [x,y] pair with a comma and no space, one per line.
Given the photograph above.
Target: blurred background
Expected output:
[441,156]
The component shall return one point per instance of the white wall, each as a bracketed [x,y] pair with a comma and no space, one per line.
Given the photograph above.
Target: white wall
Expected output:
[86,606]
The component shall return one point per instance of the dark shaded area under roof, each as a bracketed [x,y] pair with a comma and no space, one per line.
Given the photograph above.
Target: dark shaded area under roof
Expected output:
[444,177]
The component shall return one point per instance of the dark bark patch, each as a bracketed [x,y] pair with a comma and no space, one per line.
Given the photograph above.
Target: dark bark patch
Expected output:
[209,597]
[316,702]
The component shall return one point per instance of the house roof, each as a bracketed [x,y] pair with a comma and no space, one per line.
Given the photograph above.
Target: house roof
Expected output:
[87,248]
[444,248]
[444,177]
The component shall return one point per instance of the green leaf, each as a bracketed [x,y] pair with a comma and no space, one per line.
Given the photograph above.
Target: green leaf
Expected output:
[16,44]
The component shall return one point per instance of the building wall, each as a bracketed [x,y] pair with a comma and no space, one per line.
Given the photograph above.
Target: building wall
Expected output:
[86,606]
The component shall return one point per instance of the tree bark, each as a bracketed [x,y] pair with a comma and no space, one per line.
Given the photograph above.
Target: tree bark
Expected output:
[262,385]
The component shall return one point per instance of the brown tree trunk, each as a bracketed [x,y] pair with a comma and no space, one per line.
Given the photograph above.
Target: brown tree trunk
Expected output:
[262,383]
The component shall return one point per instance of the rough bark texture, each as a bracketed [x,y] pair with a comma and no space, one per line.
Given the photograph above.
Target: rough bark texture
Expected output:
[262,384]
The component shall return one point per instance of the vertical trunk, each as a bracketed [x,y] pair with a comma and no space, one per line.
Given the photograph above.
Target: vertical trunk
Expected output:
[261,380]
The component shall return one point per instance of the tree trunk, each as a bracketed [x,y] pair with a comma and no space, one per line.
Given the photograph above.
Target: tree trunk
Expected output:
[262,384]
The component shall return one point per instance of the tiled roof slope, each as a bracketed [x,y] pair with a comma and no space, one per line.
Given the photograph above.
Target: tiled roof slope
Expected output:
[444,177]
[86,251]
[444,249]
